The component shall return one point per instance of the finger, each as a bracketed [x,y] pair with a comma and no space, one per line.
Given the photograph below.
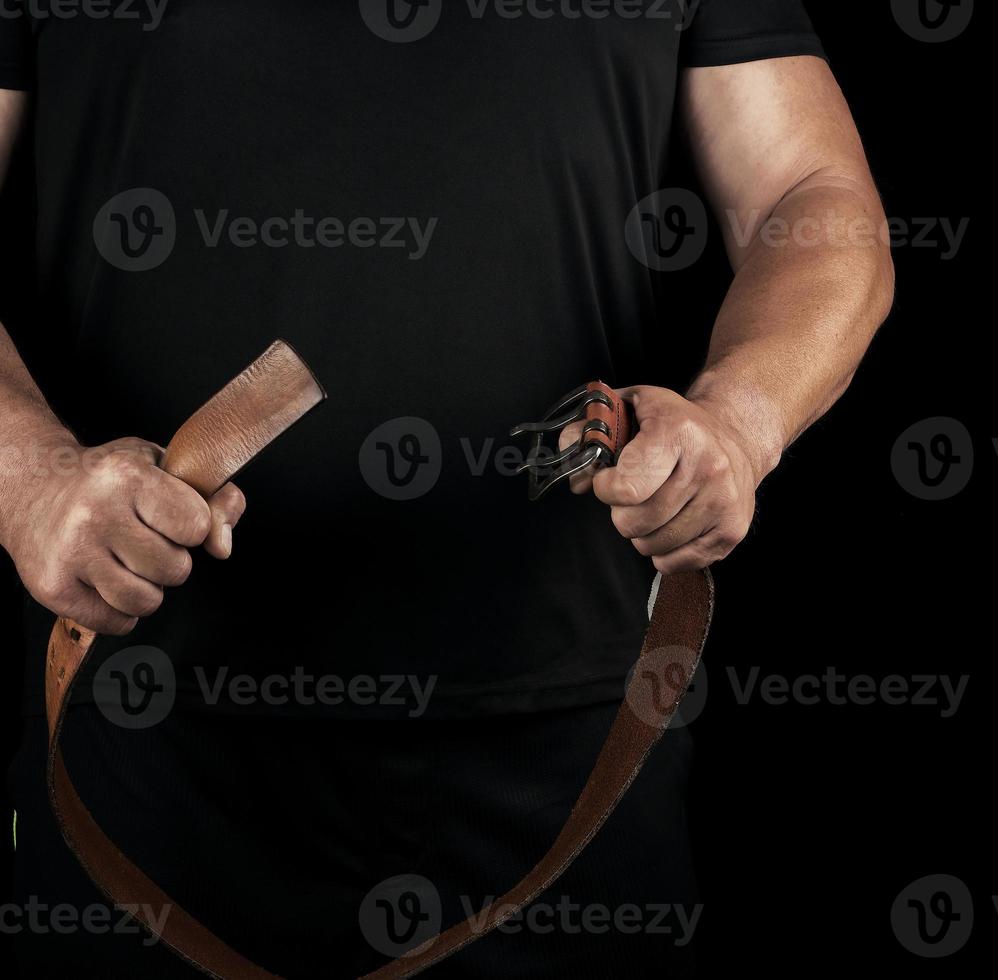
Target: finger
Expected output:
[670,500]
[691,556]
[149,450]
[694,520]
[124,590]
[226,506]
[714,544]
[582,481]
[150,555]
[172,508]
[644,465]
[87,608]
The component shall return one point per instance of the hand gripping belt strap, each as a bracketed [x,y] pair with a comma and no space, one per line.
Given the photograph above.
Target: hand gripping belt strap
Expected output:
[217,441]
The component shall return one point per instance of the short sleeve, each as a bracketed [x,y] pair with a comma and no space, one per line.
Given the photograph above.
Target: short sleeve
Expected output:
[727,32]
[16,47]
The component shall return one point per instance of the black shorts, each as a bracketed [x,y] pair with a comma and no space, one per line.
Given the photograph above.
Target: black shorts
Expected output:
[317,847]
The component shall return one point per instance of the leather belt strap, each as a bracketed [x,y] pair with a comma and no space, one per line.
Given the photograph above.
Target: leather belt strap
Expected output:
[216,442]
[254,408]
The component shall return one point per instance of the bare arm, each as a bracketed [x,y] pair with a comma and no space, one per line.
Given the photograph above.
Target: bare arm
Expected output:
[95,533]
[786,175]
[785,171]
[26,420]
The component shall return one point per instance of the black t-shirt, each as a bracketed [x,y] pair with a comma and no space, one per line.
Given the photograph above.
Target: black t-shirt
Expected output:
[429,202]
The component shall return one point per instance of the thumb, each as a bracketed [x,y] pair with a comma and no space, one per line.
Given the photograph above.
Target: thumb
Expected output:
[643,466]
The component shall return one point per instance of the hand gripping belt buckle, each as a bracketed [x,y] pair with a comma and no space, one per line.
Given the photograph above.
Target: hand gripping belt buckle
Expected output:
[606,428]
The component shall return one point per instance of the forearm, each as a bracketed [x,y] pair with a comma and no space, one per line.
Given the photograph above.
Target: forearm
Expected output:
[809,293]
[28,430]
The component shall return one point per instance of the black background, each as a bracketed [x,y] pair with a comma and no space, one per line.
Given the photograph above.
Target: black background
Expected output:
[811,819]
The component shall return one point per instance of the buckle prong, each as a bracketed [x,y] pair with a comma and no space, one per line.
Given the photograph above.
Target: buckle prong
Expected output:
[547,468]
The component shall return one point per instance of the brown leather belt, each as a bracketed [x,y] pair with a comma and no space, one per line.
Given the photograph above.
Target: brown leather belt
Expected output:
[216,442]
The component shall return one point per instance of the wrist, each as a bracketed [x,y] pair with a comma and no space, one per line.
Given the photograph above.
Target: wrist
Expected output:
[750,418]
[41,451]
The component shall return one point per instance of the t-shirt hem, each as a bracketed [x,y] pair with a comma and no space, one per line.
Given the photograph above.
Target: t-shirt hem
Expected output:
[756,47]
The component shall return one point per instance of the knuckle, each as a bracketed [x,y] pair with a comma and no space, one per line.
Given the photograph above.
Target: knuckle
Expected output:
[622,520]
[725,543]
[114,468]
[179,570]
[697,557]
[625,490]
[657,426]
[663,563]
[115,625]
[237,499]
[729,537]
[643,546]
[140,602]
[195,522]
[82,516]
[726,494]
[689,432]
[51,587]
[618,515]
[147,605]
[692,559]
[717,466]
[722,548]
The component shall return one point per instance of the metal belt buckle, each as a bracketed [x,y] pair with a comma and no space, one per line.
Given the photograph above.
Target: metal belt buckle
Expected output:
[605,432]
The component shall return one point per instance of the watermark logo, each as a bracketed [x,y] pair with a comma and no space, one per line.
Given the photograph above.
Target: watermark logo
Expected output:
[934,916]
[401,21]
[933,21]
[136,230]
[400,914]
[402,458]
[136,687]
[933,459]
[659,680]
[667,231]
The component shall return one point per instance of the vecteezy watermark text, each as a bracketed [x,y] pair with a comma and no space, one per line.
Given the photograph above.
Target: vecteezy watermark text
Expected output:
[138,229]
[835,688]
[401,913]
[594,918]
[306,689]
[148,12]
[306,231]
[41,919]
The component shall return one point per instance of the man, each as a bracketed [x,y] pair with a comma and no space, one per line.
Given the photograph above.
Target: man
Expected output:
[404,669]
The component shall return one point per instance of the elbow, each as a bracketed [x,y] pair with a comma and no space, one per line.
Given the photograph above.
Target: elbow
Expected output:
[882,285]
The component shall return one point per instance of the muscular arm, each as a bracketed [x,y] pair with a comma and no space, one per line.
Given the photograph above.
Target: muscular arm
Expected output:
[786,175]
[25,418]
[95,533]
